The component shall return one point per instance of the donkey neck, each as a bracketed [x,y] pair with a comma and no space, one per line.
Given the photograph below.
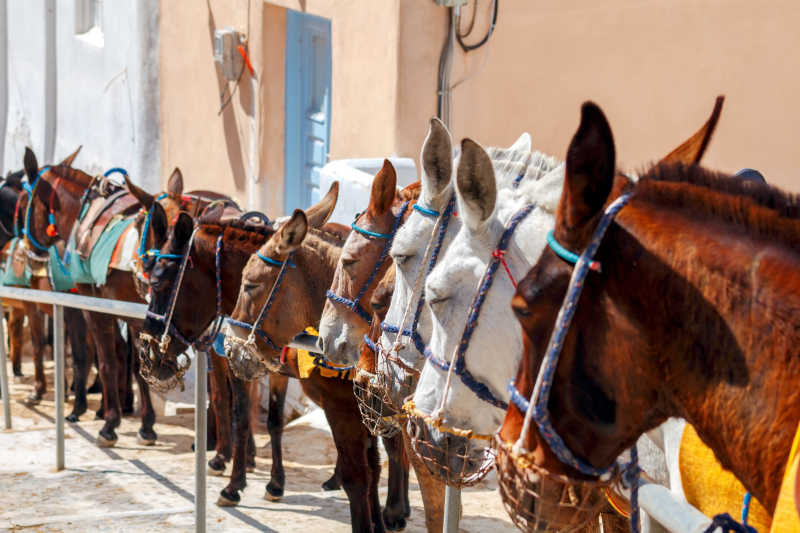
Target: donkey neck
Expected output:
[316,260]
[725,345]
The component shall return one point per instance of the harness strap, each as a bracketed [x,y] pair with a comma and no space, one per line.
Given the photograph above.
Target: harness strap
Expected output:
[458,364]
[271,261]
[31,194]
[354,304]
[52,231]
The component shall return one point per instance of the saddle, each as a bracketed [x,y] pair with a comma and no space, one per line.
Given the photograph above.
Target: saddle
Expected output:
[99,213]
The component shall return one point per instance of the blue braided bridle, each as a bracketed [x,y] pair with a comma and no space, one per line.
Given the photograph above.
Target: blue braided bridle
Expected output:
[459,366]
[31,188]
[203,342]
[355,304]
[444,221]
[255,328]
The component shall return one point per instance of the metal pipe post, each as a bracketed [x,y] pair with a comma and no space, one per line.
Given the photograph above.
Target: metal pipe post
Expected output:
[200,379]
[58,354]
[4,389]
[452,509]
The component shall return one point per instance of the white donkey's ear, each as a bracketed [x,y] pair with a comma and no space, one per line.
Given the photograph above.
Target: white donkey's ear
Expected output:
[523,144]
[477,189]
[436,158]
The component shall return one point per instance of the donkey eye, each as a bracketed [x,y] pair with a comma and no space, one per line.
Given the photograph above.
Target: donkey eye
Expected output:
[250,287]
[436,304]
[400,259]
[349,262]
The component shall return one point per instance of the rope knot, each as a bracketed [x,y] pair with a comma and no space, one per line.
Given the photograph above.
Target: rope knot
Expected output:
[500,255]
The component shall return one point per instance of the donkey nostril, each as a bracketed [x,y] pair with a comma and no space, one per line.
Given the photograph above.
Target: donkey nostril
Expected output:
[321,345]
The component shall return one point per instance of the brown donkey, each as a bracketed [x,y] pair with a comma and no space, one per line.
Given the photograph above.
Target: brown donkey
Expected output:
[693,314]
[309,256]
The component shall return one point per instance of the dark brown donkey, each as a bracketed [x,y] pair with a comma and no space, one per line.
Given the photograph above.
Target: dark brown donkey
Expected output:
[313,255]
[694,314]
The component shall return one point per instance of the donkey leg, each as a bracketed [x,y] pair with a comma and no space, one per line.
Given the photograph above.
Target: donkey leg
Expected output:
[352,443]
[220,406]
[124,370]
[229,496]
[146,434]
[75,324]
[277,398]
[16,318]
[374,464]
[431,488]
[38,341]
[397,507]
[102,329]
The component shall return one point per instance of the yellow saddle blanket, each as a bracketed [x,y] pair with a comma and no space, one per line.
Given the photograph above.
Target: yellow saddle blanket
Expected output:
[714,490]
[306,363]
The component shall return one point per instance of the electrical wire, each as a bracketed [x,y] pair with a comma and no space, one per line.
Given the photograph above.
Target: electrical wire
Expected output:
[469,47]
[471,23]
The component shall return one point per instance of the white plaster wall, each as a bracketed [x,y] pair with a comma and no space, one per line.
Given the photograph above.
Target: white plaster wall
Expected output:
[26,61]
[104,92]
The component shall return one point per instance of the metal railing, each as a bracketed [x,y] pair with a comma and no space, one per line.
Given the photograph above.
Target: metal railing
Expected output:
[656,500]
[121,309]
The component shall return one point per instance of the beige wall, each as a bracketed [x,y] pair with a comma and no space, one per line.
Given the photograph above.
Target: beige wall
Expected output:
[654,66]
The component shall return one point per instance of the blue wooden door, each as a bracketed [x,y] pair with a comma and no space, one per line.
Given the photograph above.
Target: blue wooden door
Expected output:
[308,106]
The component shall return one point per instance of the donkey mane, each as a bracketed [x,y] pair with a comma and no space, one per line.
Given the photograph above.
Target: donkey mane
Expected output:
[762,210]
[411,192]
[72,175]
[241,229]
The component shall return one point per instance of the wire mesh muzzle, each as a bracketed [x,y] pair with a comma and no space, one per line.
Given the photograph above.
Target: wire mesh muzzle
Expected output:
[458,457]
[395,377]
[538,500]
[153,365]
[244,359]
[380,419]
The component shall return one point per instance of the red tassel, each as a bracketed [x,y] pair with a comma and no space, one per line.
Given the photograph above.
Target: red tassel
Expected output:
[51,231]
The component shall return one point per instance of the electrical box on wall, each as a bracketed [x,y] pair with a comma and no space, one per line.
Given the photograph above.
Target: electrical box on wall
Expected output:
[451,3]
[226,55]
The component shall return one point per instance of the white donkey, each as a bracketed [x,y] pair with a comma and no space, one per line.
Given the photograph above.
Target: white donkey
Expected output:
[416,242]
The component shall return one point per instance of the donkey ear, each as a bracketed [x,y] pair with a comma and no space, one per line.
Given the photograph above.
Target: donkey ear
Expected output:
[184,225]
[436,158]
[291,234]
[14,179]
[31,164]
[67,162]
[477,189]
[384,189]
[145,198]
[158,224]
[175,183]
[590,168]
[692,150]
[319,213]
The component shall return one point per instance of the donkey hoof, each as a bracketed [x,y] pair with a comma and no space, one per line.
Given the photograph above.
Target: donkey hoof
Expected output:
[33,399]
[146,438]
[398,524]
[250,467]
[99,414]
[72,417]
[228,499]
[331,484]
[216,466]
[104,442]
[274,492]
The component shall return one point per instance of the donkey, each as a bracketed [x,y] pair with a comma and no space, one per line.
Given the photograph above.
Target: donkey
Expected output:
[303,288]
[719,258]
